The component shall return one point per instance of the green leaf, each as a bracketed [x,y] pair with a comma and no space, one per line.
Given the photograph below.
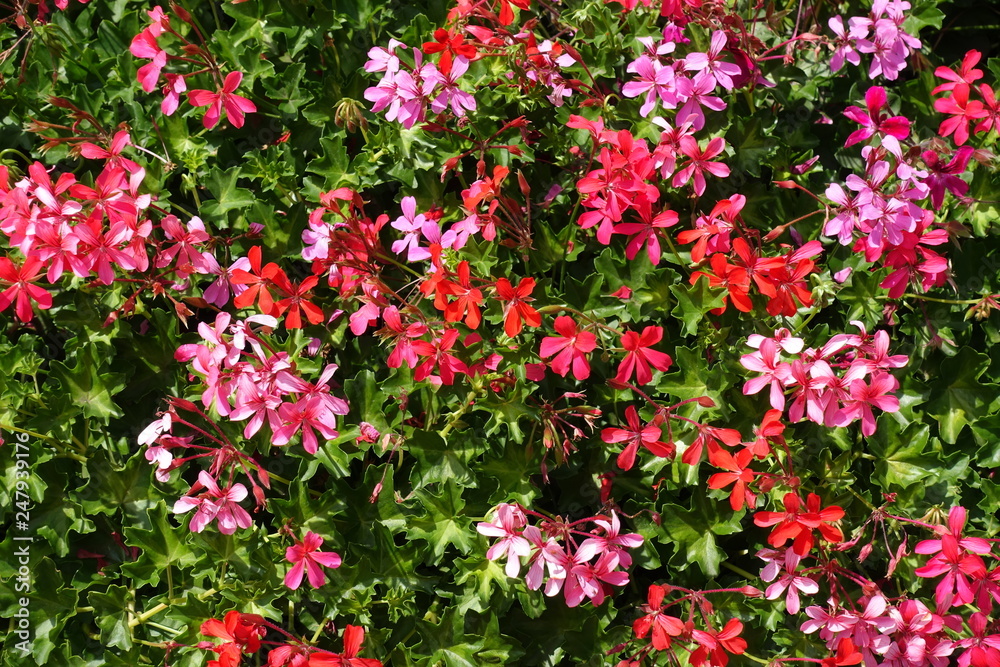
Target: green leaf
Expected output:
[439,460]
[90,383]
[694,302]
[443,524]
[111,609]
[228,197]
[163,544]
[958,397]
[692,532]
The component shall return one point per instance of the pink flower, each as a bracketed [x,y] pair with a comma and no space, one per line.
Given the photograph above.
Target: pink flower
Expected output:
[507,524]
[655,80]
[305,415]
[305,556]
[774,372]
[215,504]
[864,397]
[792,583]
[234,105]
[700,162]
[721,72]
[613,541]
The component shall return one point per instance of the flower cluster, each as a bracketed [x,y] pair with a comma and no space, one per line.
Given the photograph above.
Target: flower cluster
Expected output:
[560,555]
[407,90]
[243,635]
[623,183]
[247,379]
[743,271]
[684,83]
[963,111]
[879,34]
[828,385]
[147,46]
[883,213]
[668,633]
[62,227]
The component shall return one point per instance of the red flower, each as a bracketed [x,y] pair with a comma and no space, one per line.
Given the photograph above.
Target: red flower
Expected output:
[573,347]
[664,627]
[354,636]
[516,311]
[507,14]
[794,524]
[636,434]
[738,473]
[298,300]
[468,299]
[713,646]
[225,98]
[241,632]
[966,74]
[640,357]
[259,283]
[448,44]
[19,290]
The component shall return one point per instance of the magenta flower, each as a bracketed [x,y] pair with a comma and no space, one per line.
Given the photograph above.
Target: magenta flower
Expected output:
[655,80]
[307,558]
[873,121]
[696,93]
[720,71]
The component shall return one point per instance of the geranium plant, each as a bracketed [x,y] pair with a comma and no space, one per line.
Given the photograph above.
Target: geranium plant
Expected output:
[523,332]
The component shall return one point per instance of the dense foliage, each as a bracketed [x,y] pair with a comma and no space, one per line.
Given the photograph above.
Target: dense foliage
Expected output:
[499,332]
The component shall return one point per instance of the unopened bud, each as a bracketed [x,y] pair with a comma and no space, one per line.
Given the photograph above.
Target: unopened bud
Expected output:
[706,402]
[523,184]
[751,592]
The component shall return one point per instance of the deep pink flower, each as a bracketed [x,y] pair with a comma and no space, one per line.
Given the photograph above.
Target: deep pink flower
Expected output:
[640,356]
[306,557]
[864,397]
[226,98]
[890,129]
[963,112]
[637,434]
[700,162]
[571,348]
[19,289]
